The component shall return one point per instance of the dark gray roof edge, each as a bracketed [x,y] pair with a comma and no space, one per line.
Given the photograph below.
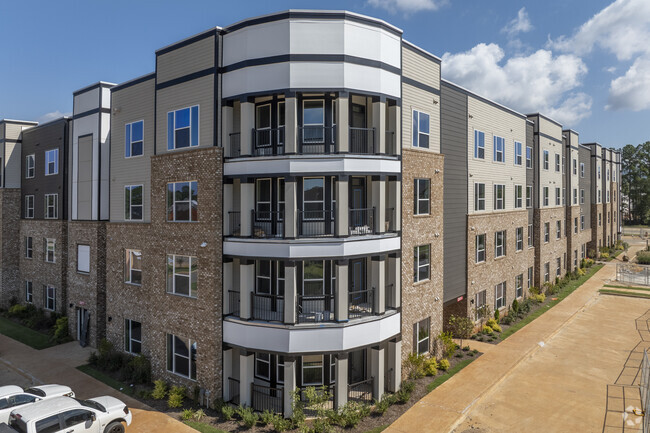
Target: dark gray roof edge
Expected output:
[546,117]
[134,81]
[481,98]
[420,50]
[20,122]
[93,86]
[48,123]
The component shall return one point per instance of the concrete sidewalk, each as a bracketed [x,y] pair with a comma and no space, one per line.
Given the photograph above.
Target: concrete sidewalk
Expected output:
[25,366]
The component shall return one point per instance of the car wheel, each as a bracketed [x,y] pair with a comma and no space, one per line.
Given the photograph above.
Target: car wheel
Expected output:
[115,427]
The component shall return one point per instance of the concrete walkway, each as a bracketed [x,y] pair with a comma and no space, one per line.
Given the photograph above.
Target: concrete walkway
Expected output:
[21,365]
[550,376]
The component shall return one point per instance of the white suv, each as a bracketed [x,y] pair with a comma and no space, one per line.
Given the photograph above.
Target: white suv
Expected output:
[70,415]
[12,396]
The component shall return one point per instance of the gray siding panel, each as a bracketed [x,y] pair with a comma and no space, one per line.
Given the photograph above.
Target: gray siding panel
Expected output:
[585,183]
[84,179]
[454,146]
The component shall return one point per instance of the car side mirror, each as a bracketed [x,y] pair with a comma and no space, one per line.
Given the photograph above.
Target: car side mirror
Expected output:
[93,417]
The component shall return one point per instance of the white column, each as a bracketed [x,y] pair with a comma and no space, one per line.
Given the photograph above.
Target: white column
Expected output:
[290,125]
[377,371]
[226,128]
[341,388]
[246,376]
[290,293]
[290,207]
[395,364]
[227,206]
[247,123]
[227,372]
[379,202]
[341,296]
[379,123]
[246,206]
[394,266]
[397,188]
[246,285]
[289,385]
[394,126]
[227,284]
[342,122]
[379,284]
[342,206]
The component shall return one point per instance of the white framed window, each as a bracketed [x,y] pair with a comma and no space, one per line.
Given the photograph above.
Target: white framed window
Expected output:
[529,157]
[582,222]
[519,285]
[563,164]
[499,197]
[563,196]
[558,198]
[530,236]
[480,248]
[133,197]
[547,270]
[182,275]
[132,336]
[608,174]
[134,139]
[582,169]
[583,251]
[520,238]
[263,365]
[500,244]
[530,277]
[420,129]
[313,121]
[575,258]
[183,201]
[279,368]
[263,199]
[181,356]
[545,195]
[313,277]
[582,196]
[133,267]
[575,196]
[480,300]
[519,196]
[500,295]
[558,267]
[312,370]
[51,162]
[558,229]
[557,162]
[313,198]
[479,196]
[49,298]
[83,258]
[183,128]
[499,149]
[600,219]
[29,247]
[546,160]
[575,167]
[479,144]
[421,263]
[529,196]
[29,292]
[29,206]
[547,232]
[30,163]
[51,206]
[422,334]
[575,225]
[599,172]
[50,250]
[600,198]
[422,199]
[518,153]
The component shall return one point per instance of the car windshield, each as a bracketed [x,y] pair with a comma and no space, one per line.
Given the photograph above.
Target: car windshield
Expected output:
[35,391]
[91,404]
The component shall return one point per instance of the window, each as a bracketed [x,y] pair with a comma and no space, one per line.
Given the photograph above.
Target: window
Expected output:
[529,196]
[575,167]
[313,198]
[29,247]
[422,196]
[182,275]
[500,244]
[583,251]
[530,235]
[500,295]
[479,196]
[582,222]
[51,162]
[582,169]
[558,229]
[499,197]
[547,269]
[519,196]
[558,197]
[313,121]
[519,285]
[49,298]
[480,248]
[263,365]
[480,300]
[608,174]
[422,336]
[48,425]
[181,356]
[312,370]
[280,369]
[547,230]
[545,195]
[183,128]
[421,263]
[598,172]
[499,149]
[29,292]
[30,162]
[600,219]
[182,201]
[546,160]
[29,206]
[563,196]
[575,225]
[530,277]
[575,196]
[607,197]
[599,196]
[75,417]
[518,153]
[50,249]
[133,202]
[51,206]
[582,196]
[83,258]
[133,267]
[313,277]
[134,139]
[420,129]
[479,144]
[529,157]
[520,238]
[558,267]
[575,258]
[557,162]
[132,336]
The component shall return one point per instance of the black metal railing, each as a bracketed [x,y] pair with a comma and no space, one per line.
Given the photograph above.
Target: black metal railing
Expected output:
[268,142]
[269,308]
[390,220]
[267,224]
[234,222]
[361,391]
[267,398]
[360,303]
[234,139]
[321,390]
[391,148]
[233,303]
[362,140]
[316,139]
[361,221]
[315,309]
[316,223]
[233,386]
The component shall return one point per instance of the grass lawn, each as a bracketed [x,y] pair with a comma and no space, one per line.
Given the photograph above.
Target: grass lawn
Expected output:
[622,293]
[23,334]
[106,379]
[566,291]
[378,429]
[627,287]
[207,428]
[445,377]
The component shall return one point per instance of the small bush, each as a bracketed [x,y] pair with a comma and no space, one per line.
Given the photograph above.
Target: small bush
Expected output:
[604,255]
[199,415]
[404,393]
[176,396]
[431,367]
[266,417]
[105,348]
[386,401]
[449,347]
[227,411]
[643,257]
[414,366]
[443,364]
[248,417]
[159,390]
[515,307]
[539,298]
[487,330]
[350,415]
[581,272]
[459,355]
[491,323]
[61,330]
[466,349]
[18,311]
[93,359]
[137,370]
[187,414]
[496,315]
[461,326]
[217,404]
[144,394]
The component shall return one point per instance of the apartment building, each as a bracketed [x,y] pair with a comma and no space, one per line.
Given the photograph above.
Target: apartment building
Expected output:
[597,228]
[43,220]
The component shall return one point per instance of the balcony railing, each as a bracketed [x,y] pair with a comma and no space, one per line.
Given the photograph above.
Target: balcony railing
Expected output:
[233,302]
[234,222]
[361,221]
[316,139]
[320,389]
[362,140]
[266,398]
[233,385]
[316,223]
[315,309]
[361,391]
[268,142]
[267,224]
[269,308]
[361,303]
[235,144]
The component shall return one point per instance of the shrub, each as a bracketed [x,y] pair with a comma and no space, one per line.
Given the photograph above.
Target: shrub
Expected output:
[431,367]
[105,348]
[199,414]
[461,326]
[515,308]
[18,311]
[443,364]
[351,414]
[248,417]
[405,391]
[280,424]
[93,359]
[539,298]
[227,411]
[604,255]
[187,414]
[196,393]
[449,347]
[137,370]
[266,417]
[496,327]
[643,257]
[159,390]
[61,330]
[386,401]
[491,323]
[176,396]
[487,330]
[496,315]
[581,272]
[466,349]
[414,366]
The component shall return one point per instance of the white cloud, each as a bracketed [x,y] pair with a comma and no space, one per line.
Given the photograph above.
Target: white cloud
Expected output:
[408,6]
[611,69]
[527,83]
[51,116]
[520,24]
[632,90]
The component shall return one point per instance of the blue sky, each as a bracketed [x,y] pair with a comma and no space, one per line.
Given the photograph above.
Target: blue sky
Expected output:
[585,63]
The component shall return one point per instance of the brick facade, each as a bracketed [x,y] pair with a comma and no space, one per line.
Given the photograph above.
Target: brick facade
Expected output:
[10,241]
[549,252]
[593,249]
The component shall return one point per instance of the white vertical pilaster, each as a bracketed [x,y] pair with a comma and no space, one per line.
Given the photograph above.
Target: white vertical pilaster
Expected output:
[379,123]
[247,123]
[377,371]
[341,296]
[342,206]
[246,287]
[226,129]
[291,125]
[247,204]
[342,122]
[289,385]
[290,292]
[395,365]
[341,388]
[379,202]
[246,376]
[379,284]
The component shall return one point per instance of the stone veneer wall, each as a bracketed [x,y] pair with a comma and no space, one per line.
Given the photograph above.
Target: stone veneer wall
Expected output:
[422,299]
[596,231]
[554,248]
[10,241]
[159,312]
